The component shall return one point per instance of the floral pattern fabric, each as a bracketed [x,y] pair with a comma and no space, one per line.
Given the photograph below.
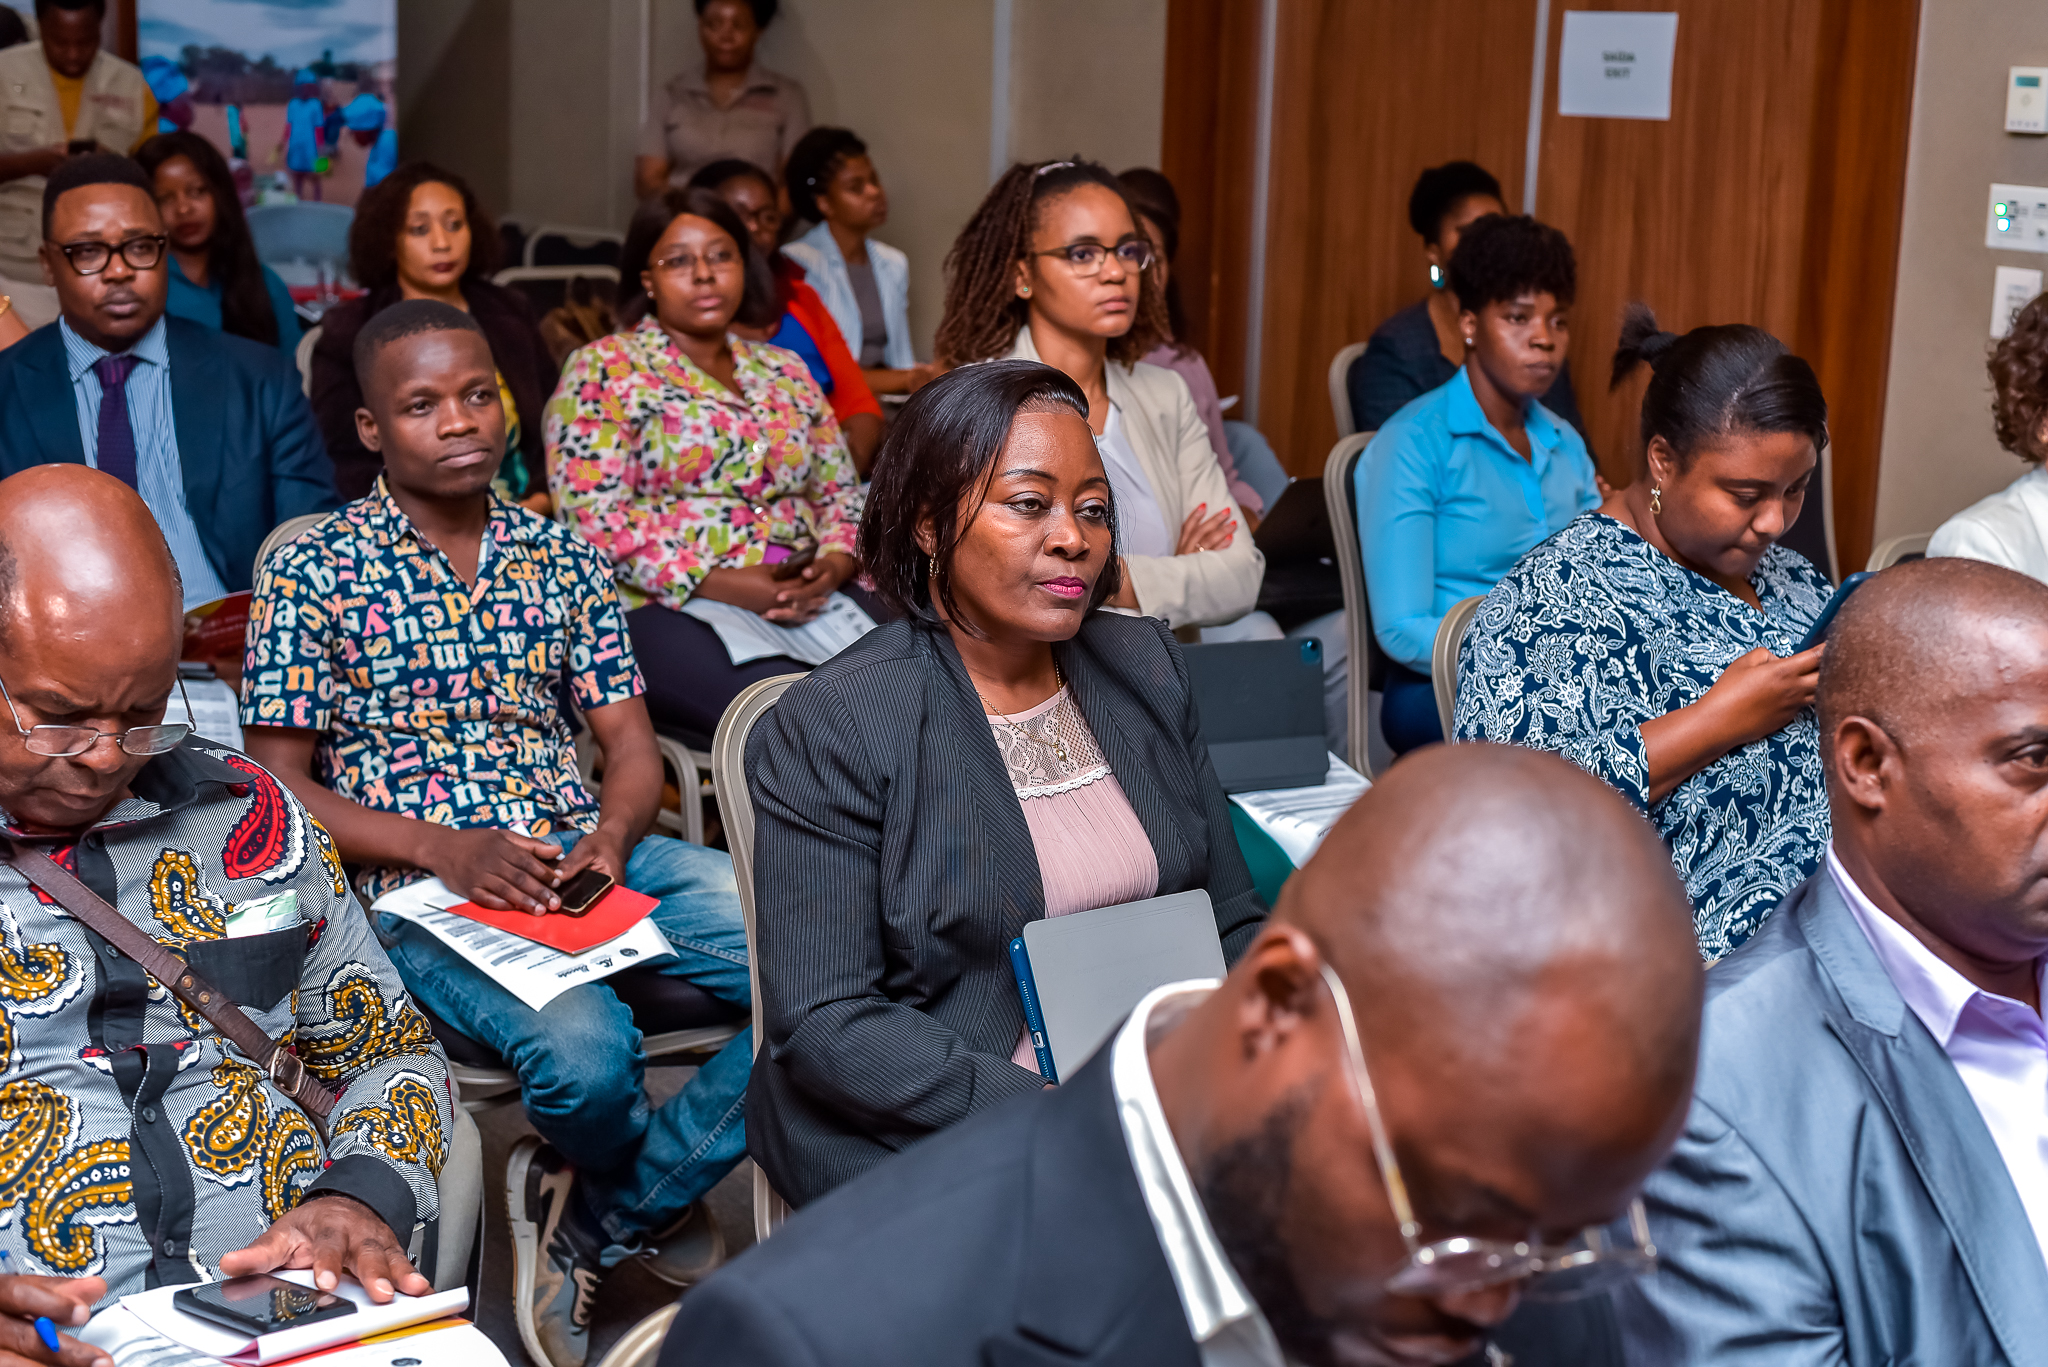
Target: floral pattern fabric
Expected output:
[433,698]
[136,1143]
[672,475]
[1595,632]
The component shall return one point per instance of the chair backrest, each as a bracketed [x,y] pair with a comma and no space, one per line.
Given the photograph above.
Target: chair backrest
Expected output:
[1340,391]
[1443,656]
[1897,549]
[287,530]
[736,812]
[301,232]
[553,244]
[1364,655]
[308,339]
[549,287]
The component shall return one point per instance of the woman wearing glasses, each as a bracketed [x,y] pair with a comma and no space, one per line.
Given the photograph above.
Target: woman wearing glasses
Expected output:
[1053,268]
[700,462]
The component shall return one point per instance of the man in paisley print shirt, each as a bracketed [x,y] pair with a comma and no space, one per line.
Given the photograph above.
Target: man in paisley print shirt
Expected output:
[407,661]
[138,1147]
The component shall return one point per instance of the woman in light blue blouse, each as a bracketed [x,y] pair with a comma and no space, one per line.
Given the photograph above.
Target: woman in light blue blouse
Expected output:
[1651,643]
[1462,481]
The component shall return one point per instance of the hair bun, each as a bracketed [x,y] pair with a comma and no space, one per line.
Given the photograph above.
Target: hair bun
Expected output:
[1641,342]
[1652,347]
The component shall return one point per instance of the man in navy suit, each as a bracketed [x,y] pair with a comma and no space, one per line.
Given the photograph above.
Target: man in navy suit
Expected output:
[1467,1032]
[1864,1177]
[213,431]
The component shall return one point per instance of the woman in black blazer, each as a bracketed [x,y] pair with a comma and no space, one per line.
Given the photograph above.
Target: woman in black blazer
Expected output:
[1004,752]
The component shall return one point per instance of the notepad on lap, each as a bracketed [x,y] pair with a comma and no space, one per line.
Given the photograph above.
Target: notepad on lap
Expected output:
[1080,975]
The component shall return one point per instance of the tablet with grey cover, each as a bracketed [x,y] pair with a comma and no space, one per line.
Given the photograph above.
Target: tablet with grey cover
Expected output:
[1089,969]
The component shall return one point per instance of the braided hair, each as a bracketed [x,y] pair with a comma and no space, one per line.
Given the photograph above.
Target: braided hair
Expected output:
[983,313]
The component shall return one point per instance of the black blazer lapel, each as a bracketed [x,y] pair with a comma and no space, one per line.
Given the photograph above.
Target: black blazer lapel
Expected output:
[1094,1285]
[42,382]
[951,702]
[1952,1150]
[198,418]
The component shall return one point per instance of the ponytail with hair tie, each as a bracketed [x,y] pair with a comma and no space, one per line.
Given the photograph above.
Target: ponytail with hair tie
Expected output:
[1715,381]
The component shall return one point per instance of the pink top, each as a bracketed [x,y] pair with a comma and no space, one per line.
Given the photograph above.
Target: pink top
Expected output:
[1092,851]
[1190,366]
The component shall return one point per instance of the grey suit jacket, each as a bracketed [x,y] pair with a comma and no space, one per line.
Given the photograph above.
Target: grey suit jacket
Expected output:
[1836,1197]
[892,867]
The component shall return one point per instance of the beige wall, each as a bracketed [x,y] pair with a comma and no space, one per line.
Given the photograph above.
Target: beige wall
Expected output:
[539,102]
[1939,454]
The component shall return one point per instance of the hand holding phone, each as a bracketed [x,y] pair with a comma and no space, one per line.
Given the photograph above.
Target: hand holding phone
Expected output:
[794,566]
[584,891]
[260,1304]
[1819,630]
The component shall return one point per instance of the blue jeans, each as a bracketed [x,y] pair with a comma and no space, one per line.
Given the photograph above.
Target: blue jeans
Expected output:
[579,1058]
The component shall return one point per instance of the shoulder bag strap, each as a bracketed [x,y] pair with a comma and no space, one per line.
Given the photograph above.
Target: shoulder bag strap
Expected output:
[285,1069]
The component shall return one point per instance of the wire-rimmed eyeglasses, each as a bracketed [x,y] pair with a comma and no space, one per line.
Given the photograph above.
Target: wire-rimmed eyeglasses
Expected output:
[1587,1265]
[141,253]
[65,742]
[1087,258]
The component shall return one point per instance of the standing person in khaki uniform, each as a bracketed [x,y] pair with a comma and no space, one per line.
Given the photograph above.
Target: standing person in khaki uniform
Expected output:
[55,93]
[730,108]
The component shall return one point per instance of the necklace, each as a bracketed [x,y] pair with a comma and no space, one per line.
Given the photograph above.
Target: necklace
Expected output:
[1057,746]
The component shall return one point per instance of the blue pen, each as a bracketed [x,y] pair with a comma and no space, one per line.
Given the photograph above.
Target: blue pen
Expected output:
[47,1332]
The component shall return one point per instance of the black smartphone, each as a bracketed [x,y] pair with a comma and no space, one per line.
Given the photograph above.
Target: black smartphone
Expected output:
[794,566]
[1834,605]
[583,892]
[261,1304]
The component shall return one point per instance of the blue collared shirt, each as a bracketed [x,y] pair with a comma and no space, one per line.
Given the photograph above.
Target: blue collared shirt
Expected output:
[1446,507]
[159,477]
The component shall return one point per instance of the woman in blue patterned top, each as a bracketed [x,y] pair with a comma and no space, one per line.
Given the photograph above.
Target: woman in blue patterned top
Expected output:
[1464,480]
[1651,642]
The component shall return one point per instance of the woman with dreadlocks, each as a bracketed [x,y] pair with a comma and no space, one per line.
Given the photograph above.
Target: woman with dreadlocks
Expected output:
[1053,268]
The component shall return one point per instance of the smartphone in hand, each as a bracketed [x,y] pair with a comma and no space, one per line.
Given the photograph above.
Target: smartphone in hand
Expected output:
[584,891]
[1819,630]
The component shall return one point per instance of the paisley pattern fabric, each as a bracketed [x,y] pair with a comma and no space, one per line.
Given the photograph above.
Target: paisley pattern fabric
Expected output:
[135,1142]
[672,475]
[434,698]
[1594,633]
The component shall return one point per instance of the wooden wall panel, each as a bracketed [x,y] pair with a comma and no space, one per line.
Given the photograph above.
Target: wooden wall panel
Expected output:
[1367,94]
[1736,210]
[1206,150]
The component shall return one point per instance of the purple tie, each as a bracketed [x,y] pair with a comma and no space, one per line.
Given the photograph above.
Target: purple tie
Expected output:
[117,437]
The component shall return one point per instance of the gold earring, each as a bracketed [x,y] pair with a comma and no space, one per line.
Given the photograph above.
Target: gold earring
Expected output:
[1656,499]
[934,574]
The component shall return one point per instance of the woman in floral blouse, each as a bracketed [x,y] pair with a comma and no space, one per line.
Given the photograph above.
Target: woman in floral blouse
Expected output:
[1652,642]
[698,462]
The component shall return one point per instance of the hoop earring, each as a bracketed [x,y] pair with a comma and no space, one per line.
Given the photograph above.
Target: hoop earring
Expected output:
[1656,500]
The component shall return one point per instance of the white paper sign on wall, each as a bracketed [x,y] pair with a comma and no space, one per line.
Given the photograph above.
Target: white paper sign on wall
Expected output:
[2013,289]
[1616,65]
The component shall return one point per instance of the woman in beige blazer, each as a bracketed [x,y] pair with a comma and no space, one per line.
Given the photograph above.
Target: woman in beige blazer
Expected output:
[1053,268]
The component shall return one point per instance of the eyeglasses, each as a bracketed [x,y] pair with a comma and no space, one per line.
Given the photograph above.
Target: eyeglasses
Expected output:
[1086,258]
[63,742]
[1584,1266]
[685,263]
[90,258]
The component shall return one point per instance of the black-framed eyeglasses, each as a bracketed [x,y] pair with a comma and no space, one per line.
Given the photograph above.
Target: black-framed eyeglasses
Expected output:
[1086,258]
[1587,1265]
[90,258]
[64,742]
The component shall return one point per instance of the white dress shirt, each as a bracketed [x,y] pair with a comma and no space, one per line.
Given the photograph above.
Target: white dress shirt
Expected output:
[1999,1046]
[1140,527]
[1228,1329]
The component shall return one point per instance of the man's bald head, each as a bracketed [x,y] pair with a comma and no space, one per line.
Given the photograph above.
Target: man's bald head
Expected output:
[1913,639]
[1520,960]
[1474,879]
[73,540]
[1934,734]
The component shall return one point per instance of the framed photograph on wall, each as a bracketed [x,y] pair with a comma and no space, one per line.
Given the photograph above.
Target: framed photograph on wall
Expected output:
[301,98]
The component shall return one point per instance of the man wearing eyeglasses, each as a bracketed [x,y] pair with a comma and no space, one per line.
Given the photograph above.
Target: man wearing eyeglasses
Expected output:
[141,1143]
[213,431]
[1466,1036]
[1864,1177]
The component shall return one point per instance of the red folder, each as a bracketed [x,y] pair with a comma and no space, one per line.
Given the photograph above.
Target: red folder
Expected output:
[614,914]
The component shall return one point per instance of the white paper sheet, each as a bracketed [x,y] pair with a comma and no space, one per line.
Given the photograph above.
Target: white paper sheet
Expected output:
[1299,818]
[1616,65]
[130,1343]
[748,636]
[157,1310]
[531,972]
[215,714]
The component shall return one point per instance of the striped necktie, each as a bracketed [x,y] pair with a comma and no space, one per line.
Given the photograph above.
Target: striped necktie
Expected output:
[117,435]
